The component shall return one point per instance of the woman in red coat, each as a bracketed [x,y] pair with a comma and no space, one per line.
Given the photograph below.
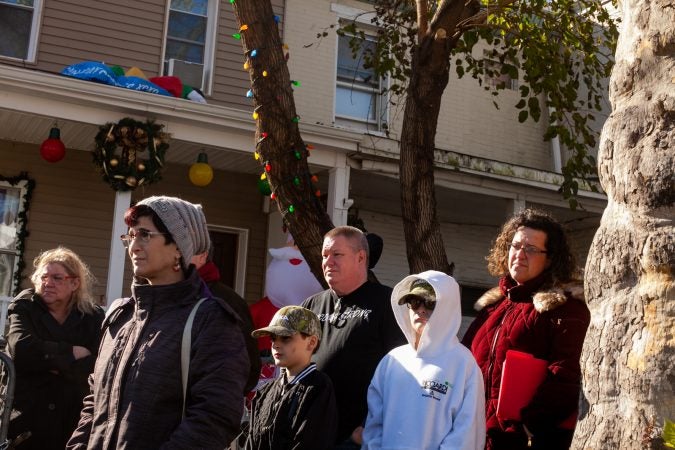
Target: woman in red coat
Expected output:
[538,308]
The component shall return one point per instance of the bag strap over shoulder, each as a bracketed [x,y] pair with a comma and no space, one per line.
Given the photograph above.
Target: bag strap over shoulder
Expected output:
[185,349]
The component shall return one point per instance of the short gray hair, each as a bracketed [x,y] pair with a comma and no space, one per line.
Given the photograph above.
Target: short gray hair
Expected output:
[356,237]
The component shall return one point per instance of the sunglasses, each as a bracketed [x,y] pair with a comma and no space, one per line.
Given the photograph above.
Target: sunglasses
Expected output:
[415,302]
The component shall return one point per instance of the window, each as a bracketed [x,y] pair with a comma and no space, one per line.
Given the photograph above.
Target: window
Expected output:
[359,98]
[13,206]
[19,20]
[190,40]
[493,77]
[229,255]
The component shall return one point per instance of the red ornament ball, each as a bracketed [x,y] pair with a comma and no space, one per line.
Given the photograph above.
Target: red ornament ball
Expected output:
[52,149]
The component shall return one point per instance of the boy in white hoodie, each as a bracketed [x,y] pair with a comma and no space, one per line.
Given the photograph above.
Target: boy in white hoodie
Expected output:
[429,393]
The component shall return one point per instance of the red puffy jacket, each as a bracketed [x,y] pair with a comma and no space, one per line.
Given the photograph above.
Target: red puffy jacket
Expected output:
[549,322]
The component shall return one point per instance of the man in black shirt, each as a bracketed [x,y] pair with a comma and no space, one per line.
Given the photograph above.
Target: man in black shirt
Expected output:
[358,327]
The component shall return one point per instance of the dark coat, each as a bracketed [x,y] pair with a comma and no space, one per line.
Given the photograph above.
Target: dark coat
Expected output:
[136,399]
[548,322]
[50,382]
[211,275]
[300,416]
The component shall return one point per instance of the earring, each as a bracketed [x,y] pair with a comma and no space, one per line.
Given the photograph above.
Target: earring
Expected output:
[176,266]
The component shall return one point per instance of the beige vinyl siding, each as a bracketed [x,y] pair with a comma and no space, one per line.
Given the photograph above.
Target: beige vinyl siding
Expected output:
[468,123]
[231,81]
[466,246]
[72,206]
[131,34]
[126,33]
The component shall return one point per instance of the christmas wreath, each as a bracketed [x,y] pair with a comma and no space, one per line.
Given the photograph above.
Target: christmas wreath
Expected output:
[120,153]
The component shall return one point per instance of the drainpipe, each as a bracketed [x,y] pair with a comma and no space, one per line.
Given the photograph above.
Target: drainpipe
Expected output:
[555,150]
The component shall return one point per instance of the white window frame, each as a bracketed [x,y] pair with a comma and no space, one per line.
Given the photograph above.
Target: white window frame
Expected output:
[377,126]
[381,112]
[31,54]
[212,11]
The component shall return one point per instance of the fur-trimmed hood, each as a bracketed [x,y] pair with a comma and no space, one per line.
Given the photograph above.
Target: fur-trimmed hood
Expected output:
[545,300]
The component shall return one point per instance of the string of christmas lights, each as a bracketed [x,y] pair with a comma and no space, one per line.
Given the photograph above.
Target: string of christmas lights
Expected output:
[295,151]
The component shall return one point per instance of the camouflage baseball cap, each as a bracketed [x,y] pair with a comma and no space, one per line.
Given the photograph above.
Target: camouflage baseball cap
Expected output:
[419,288]
[290,320]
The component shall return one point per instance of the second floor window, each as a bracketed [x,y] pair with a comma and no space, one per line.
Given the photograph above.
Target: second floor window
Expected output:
[18,28]
[359,98]
[493,77]
[188,41]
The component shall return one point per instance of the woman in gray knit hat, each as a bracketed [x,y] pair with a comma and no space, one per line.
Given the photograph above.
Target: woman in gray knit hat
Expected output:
[137,398]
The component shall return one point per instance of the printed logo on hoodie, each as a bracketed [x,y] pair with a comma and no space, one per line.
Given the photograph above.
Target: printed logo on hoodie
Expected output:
[434,388]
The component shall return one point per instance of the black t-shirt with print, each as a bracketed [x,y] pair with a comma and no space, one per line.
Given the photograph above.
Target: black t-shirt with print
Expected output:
[357,331]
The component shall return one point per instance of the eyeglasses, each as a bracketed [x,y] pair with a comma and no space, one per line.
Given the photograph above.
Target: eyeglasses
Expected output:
[528,249]
[56,279]
[143,235]
[415,302]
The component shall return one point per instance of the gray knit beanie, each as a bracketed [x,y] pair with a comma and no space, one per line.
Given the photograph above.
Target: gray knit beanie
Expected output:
[186,223]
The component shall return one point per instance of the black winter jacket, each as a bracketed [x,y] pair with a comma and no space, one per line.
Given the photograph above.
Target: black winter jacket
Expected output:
[50,383]
[299,416]
[136,399]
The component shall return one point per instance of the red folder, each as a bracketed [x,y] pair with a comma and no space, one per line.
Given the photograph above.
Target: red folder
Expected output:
[522,374]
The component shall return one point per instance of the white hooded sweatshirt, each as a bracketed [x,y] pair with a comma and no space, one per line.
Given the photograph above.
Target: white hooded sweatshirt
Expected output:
[431,397]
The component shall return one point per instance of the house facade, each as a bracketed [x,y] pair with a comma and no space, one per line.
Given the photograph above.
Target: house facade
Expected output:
[487,164]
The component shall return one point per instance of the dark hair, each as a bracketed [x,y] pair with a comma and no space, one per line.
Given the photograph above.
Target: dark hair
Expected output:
[133,214]
[318,341]
[563,265]
[375,246]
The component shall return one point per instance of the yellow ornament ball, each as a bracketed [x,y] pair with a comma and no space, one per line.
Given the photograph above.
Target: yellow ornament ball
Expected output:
[114,162]
[140,167]
[201,173]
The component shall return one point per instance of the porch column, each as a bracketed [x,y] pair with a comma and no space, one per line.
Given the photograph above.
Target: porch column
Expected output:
[117,250]
[338,193]
[515,205]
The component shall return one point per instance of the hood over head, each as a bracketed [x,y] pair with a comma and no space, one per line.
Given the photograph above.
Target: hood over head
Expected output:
[441,330]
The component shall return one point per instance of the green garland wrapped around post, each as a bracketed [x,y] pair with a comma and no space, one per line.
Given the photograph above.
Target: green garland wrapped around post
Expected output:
[120,153]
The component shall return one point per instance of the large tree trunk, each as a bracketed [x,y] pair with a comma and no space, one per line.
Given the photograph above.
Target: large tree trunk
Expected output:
[423,238]
[628,358]
[277,135]
[430,73]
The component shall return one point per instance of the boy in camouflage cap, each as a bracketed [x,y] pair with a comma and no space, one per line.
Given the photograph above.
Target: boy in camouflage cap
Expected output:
[298,408]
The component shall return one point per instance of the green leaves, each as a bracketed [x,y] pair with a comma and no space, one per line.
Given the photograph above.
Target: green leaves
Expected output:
[557,53]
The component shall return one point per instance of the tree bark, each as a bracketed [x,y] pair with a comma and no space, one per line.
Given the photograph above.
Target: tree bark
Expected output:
[424,241]
[277,133]
[430,69]
[628,358]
